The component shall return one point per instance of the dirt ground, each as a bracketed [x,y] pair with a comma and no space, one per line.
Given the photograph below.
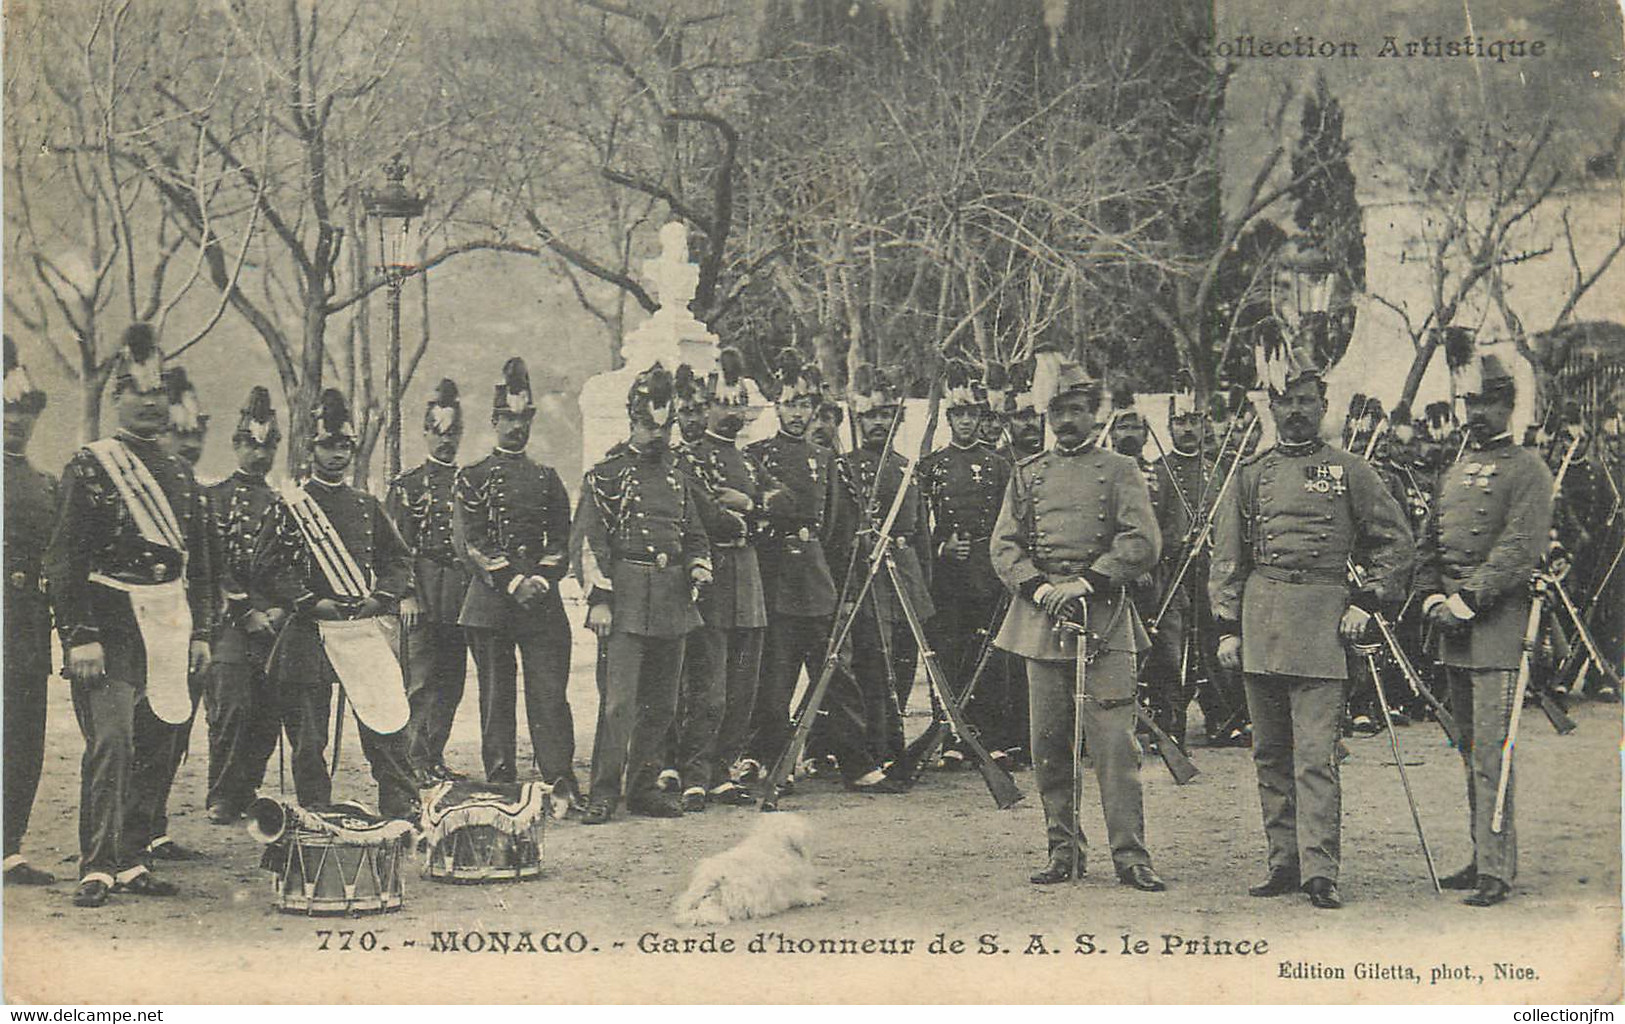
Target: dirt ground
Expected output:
[941,859]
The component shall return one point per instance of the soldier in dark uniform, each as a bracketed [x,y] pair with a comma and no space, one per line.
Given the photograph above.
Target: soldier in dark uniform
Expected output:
[800,591]
[1165,664]
[883,648]
[286,574]
[1284,535]
[962,484]
[421,503]
[161,759]
[1076,527]
[644,554]
[1483,544]
[722,662]
[513,515]
[30,512]
[106,552]
[244,714]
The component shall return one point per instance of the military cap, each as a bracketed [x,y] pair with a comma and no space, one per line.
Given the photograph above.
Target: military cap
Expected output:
[872,389]
[797,378]
[186,414]
[444,413]
[961,389]
[651,396]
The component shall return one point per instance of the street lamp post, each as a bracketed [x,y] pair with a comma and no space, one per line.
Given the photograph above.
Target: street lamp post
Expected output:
[392,209]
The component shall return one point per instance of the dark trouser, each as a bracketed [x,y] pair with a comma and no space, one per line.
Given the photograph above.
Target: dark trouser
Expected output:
[1164,672]
[1108,732]
[106,711]
[544,646]
[720,672]
[1478,698]
[306,711]
[1296,725]
[436,670]
[1220,692]
[637,706]
[24,742]
[243,726]
[878,662]
[958,632]
[159,750]
[791,643]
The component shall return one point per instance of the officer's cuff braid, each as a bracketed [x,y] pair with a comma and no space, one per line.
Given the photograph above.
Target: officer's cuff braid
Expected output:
[1366,601]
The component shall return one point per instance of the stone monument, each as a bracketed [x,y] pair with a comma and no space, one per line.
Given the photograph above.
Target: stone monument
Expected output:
[670,336]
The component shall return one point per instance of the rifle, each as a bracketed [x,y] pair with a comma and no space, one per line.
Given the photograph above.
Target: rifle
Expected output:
[1174,758]
[784,766]
[1413,678]
[1399,762]
[1515,698]
[1590,642]
[907,767]
[1201,535]
[999,783]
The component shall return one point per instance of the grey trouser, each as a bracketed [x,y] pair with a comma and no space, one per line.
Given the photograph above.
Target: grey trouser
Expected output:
[1479,699]
[244,723]
[1296,721]
[1109,734]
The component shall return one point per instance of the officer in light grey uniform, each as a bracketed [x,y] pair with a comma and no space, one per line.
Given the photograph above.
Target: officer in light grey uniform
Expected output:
[1284,535]
[1077,526]
[1482,545]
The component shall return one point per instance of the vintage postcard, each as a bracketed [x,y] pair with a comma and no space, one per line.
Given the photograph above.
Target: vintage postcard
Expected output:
[1133,488]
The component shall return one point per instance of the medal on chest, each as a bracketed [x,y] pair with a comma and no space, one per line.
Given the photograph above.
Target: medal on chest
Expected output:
[1324,478]
[1478,474]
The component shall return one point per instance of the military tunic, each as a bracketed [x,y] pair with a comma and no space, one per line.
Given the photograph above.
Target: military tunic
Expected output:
[1068,515]
[244,718]
[421,503]
[1487,536]
[641,538]
[513,518]
[30,514]
[800,593]
[722,662]
[127,748]
[285,575]
[962,488]
[1284,535]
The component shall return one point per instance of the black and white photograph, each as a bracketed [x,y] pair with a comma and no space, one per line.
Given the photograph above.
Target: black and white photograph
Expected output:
[813,502]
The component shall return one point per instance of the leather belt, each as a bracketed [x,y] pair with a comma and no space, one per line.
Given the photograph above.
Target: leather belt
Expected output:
[1328,576]
[1067,568]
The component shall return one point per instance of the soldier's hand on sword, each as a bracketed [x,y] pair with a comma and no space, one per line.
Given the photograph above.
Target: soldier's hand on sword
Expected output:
[957,548]
[1353,624]
[1230,652]
[411,612]
[1055,598]
[87,663]
[197,657]
[600,619]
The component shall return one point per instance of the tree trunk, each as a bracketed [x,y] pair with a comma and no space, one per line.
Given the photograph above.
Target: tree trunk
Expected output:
[1419,367]
[309,389]
[90,408]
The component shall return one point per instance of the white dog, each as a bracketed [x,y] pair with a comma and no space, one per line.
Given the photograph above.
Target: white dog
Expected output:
[768,873]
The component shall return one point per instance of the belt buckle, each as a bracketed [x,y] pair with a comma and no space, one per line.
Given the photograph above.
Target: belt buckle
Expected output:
[803,534]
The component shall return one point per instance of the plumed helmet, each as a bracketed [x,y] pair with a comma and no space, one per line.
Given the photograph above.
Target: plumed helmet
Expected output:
[444,413]
[21,394]
[186,414]
[960,388]
[140,362]
[512,393]
[332,418]
[651,396]
[257,420]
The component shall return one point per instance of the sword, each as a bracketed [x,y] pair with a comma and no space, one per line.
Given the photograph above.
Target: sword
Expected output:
[1079,689]
[1530,633]
[1590,642]
[1399,762]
